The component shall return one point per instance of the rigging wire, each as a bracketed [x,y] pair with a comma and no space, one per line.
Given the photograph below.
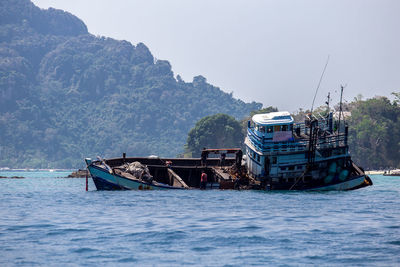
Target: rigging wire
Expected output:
[319,83]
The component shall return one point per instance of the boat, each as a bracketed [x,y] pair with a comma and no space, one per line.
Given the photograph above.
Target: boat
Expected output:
[119,177]
[311,155]
[280,154]
[154,173]
[392,173]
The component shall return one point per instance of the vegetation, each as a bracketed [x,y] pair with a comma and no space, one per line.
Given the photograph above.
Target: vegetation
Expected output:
[375,132]
[216,131]
[66,94]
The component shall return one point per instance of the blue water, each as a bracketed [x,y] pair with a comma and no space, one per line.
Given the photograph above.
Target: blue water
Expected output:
[52,221]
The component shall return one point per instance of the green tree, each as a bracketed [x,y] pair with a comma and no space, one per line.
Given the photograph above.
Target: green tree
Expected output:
[216,131]
[375,133]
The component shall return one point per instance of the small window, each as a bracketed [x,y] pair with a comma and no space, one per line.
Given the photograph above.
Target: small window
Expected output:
[262,129]
[299,167]
[274,161]
[283,168]
[277,128]
[284,127]
[291,168]
[258,158]
[270,129]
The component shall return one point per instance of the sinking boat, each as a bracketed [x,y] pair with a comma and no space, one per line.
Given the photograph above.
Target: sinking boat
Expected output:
[313,155]
[280,154]
[129,175]
[152,173]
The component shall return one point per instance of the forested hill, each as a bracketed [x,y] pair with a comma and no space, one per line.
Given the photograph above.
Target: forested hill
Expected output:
[66,94]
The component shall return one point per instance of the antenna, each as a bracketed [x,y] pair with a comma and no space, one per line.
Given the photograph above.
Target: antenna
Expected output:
[328,101]
[319,83]
[340,106]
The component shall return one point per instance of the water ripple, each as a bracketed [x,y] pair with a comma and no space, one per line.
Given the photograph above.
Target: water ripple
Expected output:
[48,221]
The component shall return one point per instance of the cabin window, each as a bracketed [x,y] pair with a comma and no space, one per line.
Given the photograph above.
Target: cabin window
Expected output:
[283,168]
[299,167]
[284,127]
[291,168]
[262,129]
[274,160]
[270,129]
[291,127]
[258,158]
[277,128]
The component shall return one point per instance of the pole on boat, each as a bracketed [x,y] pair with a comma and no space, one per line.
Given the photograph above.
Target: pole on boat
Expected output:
[87,182]
[340,106]
[319,83]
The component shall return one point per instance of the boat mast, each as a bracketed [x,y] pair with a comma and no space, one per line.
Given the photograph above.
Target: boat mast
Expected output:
[340,106]
[328,115]
[328,101]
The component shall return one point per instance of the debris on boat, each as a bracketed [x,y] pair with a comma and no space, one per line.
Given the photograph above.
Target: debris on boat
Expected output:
[137,170]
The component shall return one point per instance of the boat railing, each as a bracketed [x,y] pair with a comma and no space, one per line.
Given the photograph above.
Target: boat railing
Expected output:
[336,140]
[263,145]
[322,124]
[302,126]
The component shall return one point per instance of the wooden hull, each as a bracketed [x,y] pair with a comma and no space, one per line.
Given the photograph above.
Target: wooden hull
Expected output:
[106,181]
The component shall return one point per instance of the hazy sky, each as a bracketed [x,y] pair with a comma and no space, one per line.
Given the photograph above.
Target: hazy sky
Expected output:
[267,51]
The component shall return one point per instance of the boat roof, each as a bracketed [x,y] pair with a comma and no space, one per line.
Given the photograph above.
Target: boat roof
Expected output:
[273,118]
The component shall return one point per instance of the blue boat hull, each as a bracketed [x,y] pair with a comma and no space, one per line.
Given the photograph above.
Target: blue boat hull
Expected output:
[107,181]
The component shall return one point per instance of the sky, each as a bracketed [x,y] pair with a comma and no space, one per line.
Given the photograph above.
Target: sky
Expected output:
[268,51]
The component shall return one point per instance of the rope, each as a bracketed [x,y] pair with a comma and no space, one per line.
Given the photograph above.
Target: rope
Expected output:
[298,179]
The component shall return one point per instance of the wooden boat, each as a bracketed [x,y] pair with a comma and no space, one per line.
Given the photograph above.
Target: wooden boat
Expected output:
[284,155]
[110,178]
[166,173]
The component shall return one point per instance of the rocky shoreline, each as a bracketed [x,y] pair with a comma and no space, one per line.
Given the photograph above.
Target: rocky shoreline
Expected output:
[79,174]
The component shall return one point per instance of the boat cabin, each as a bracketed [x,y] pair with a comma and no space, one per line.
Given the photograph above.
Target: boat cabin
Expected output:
[275,126]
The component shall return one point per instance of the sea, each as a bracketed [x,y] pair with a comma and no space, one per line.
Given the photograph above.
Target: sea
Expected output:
[49,220]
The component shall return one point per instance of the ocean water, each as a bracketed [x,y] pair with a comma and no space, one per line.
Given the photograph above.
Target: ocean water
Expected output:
[50,221]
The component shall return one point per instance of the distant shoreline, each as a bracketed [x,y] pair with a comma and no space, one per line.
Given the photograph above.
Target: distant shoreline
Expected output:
[374,172]
[382,172]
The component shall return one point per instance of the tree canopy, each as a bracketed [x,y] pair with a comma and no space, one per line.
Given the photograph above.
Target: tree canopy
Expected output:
[374,128]
[215,131]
